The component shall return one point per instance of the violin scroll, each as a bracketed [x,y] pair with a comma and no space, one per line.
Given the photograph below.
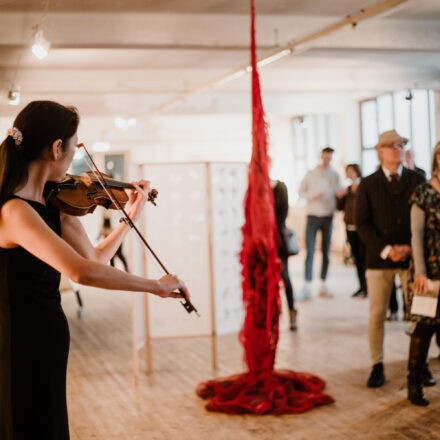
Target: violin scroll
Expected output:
[152,196]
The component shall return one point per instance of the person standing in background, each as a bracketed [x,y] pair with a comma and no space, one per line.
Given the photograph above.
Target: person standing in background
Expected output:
[410,164]
[281,202]
[424,267]
[106,230]
[383,223]
[394,305]
[347,202]
[319,187]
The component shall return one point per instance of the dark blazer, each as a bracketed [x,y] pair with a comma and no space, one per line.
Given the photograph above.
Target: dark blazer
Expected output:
[347,204]
[382,217]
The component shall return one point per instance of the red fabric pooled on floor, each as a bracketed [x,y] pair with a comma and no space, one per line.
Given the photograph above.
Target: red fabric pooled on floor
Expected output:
[261,390]
[279,392]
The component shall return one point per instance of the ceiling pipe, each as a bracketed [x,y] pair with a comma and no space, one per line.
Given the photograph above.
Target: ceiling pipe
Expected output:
[147,46]
[294,47]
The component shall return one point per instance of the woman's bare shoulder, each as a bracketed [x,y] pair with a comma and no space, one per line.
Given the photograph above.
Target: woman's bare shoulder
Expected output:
[12,208]
[10,214]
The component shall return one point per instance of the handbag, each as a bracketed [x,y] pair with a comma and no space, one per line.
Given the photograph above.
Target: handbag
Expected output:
[289,243]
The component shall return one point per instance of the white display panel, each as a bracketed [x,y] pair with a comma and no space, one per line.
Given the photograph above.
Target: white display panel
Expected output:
[177,230]
[138,250]
[228,187]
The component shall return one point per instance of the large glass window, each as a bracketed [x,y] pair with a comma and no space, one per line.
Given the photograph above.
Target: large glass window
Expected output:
[385,113]
[369,123]
[409,112]
[421,138]
[402,114]
[311,134]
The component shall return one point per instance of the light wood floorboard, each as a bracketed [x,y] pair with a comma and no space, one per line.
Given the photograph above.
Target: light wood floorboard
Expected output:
[331,342]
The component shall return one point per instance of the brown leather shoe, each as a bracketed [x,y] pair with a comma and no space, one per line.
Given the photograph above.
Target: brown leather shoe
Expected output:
[292,317]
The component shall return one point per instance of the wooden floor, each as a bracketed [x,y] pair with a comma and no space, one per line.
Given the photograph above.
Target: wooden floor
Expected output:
[331,341]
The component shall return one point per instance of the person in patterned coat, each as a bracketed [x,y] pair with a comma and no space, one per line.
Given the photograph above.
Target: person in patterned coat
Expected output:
[424,266]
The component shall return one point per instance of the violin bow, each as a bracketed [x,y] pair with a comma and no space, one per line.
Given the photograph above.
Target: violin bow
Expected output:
[188,306]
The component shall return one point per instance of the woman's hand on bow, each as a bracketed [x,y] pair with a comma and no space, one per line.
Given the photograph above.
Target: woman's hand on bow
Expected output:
[137,199]
[169,285]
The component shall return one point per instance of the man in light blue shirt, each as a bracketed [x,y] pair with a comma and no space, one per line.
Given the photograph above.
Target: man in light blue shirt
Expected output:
[320,187]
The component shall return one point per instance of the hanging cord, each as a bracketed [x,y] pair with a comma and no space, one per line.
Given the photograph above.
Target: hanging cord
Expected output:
[24,46]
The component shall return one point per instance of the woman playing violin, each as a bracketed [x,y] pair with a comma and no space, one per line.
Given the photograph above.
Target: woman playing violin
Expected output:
[37,243]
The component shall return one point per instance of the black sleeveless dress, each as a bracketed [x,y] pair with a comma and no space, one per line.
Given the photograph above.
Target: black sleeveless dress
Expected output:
[34,344]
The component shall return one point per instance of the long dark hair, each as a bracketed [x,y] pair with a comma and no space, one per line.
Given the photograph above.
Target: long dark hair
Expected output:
[41,123]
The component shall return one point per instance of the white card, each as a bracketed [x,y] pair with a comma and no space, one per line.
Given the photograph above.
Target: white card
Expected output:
[426,305]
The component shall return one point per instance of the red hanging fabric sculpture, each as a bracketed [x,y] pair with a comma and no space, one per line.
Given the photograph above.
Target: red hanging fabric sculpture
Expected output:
[261,390]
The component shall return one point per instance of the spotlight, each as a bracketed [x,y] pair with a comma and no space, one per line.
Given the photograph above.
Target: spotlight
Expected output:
[14,96]
[41,45]
[124,124]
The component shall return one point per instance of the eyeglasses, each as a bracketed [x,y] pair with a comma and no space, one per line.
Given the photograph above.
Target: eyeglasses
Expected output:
[396,145]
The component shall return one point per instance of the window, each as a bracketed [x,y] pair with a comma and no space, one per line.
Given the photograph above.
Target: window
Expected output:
[80,164]
[311,134]
[385,113]
[409,112]
[369,123]
[115,166]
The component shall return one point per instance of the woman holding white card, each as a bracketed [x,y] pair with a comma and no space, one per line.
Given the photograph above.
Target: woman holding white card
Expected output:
[423,280]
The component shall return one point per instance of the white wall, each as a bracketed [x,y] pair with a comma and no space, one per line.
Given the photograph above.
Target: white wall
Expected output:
[224,136]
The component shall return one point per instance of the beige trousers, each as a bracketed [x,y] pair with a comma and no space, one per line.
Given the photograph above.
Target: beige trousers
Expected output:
[379,284]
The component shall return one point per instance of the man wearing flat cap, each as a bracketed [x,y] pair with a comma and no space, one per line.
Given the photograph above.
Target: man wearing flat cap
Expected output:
[383,223]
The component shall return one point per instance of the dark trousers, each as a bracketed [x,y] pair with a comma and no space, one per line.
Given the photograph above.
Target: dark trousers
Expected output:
[419,347]
[287,284]
[120,255]
[394,305]
[359,255]
[315,224]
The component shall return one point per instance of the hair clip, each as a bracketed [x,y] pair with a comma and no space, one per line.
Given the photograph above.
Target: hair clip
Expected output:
[15,134]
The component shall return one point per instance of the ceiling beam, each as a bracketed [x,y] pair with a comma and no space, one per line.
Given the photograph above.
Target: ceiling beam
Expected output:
[295,47]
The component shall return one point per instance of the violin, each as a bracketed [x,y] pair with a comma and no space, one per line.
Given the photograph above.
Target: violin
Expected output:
[97,185]
[80,195]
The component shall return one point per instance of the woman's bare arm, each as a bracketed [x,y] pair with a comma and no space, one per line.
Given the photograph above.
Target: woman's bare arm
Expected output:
[73,232]
[20,225]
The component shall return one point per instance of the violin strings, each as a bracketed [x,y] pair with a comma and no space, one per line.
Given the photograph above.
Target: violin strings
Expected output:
[98,177]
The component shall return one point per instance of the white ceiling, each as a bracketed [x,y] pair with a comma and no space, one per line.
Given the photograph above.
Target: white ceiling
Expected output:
[429,9]
[132,55]
[273,7]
